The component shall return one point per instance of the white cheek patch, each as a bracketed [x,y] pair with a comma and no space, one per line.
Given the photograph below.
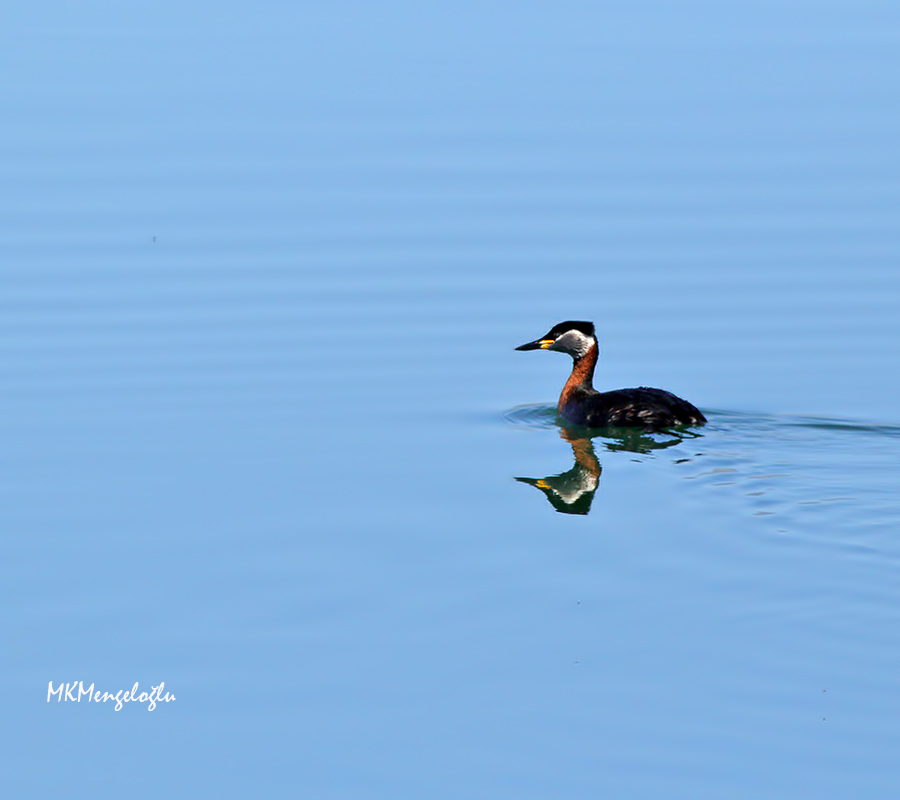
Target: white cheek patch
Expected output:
[584,344]
[574,342]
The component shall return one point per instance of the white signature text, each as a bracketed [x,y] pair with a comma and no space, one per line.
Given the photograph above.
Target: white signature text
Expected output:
[75,691]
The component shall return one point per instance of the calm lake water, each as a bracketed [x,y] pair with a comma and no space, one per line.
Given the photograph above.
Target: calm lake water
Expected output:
[265,437]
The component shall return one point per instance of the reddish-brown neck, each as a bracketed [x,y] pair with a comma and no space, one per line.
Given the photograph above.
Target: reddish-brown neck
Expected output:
[582,376]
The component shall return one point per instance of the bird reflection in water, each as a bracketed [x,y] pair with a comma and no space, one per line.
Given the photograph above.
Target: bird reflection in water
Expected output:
[572,491]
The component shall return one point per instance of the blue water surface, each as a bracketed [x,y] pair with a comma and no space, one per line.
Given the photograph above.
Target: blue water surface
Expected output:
[263,270]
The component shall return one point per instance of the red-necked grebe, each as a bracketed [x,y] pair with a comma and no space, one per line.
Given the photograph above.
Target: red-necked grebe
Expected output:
[581,404]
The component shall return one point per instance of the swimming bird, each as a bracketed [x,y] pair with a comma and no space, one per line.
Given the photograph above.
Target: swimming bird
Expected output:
[580,403]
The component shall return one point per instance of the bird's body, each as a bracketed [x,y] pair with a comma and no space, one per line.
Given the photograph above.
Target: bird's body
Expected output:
[581,404]
[641,406]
